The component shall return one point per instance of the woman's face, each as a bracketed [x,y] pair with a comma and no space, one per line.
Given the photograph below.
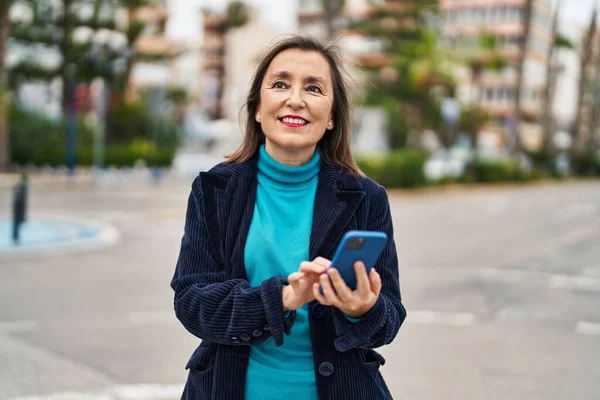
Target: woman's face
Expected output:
[296,98]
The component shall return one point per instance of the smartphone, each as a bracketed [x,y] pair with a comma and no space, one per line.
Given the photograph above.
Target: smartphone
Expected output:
[365,246]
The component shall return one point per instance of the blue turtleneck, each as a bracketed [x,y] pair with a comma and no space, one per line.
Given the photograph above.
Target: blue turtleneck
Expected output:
[277,243]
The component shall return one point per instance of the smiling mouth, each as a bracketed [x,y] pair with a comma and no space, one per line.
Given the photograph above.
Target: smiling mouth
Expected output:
[293,122]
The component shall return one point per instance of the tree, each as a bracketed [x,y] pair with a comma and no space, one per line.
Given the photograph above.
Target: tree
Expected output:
[411,75]
[4,136]
[53,26]
[527,12]
[332,10]
[585,59]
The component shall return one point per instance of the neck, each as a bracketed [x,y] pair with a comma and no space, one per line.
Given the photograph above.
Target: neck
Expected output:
[292,158]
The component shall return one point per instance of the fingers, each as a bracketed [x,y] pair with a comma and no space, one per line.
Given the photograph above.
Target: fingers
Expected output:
[343,291]
[328,298]
[363,286]
[310,267]
[375,280]
[322,262]
[295,277]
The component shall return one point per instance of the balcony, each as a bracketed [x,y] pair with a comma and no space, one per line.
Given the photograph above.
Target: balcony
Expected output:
[156,46]
[152,14]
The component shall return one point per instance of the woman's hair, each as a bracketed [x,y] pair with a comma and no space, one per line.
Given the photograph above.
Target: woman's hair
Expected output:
[335,144]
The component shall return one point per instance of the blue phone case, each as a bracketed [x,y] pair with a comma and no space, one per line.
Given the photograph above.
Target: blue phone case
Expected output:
[365,246]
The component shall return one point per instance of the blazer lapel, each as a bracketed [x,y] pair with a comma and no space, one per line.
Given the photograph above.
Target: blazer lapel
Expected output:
[227,209]
[337,198]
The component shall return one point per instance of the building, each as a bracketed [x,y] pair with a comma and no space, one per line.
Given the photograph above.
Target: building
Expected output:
[464,22]
[155,52]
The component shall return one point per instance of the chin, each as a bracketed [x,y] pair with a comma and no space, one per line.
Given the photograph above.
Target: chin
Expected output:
[294,142]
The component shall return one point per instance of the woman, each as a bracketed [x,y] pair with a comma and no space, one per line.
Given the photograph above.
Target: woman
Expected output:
[259,233]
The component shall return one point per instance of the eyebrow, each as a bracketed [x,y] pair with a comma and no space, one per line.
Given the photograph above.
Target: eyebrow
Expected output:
[308,79]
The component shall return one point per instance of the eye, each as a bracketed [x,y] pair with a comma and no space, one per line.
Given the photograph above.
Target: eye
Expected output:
[314,89]
[279,85]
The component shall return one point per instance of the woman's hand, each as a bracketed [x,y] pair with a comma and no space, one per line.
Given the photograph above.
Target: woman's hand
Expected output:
[299,291]
[336,293]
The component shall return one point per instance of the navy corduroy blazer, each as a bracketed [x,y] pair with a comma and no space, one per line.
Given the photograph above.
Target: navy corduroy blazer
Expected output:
[214,301]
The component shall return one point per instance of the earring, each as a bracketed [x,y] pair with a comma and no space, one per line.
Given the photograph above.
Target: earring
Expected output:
[258,116]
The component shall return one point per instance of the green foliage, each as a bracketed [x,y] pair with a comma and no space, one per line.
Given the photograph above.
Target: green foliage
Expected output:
[471,121]
[488,56]
[178,95]
[5,5]
[36,137]
[126,155]
[399,169]
[132,120]
[126,122]
[398,128]
[494,171]
[237,14]
[544,161]
[38,140]
[585,163]
[44,34]
[563,42]
[28,70]
[135,30]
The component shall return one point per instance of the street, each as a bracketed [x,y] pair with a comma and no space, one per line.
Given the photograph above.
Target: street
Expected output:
[501,285]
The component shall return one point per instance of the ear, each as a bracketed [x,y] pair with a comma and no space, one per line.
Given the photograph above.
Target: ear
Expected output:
[330,124]
[257,115]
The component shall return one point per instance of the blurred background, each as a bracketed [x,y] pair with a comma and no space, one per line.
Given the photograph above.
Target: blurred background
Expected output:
[481,117]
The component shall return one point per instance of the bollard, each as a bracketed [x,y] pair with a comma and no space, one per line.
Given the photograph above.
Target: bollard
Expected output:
[19,208]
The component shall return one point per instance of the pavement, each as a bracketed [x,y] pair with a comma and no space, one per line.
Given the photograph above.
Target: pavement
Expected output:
[502,287]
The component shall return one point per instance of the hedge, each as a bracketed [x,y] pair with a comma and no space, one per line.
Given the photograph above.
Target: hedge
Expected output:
[398,169]
[38,140]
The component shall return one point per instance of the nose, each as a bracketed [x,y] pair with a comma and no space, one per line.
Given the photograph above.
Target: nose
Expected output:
[295,101]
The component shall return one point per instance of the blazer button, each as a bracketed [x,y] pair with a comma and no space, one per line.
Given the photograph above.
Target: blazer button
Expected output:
[244,337]
[257,333]
[318,310]
[267,328]
[235,340]
[326,368]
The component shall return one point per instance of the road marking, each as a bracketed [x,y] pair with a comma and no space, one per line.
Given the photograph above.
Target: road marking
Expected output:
[512,275]
[145,392]
[17,326]
[587,328]
[592,271]
[153,317]
[70,396]
[584,283]
[427,317]
[513,314]
[125,392]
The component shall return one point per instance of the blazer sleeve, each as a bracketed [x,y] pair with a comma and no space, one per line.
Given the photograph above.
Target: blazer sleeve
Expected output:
[210,304]
[381,324]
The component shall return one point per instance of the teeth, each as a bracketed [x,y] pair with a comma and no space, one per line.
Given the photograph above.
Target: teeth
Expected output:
[297,121]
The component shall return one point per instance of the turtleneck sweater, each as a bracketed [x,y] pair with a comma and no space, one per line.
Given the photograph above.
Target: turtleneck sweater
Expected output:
[278,241]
